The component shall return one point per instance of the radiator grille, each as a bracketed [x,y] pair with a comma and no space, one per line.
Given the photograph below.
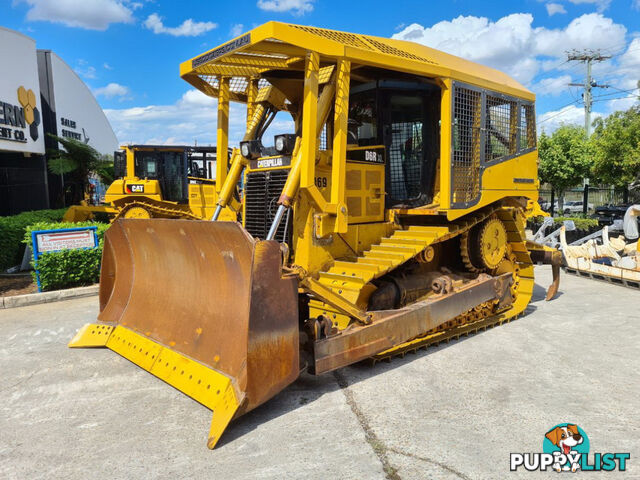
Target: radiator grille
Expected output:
[261,193]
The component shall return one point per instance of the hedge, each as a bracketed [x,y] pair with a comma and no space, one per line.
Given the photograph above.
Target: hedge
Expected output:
[12,231]
[68,268]
[580,222]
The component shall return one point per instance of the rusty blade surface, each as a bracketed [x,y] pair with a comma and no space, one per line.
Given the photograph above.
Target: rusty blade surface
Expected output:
[394,327]
[209,291]
[273,337]
[115,275]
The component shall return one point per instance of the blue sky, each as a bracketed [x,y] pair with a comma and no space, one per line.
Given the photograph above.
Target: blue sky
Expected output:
[129,51]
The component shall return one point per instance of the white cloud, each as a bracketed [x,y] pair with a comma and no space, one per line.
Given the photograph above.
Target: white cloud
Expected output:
[571,115]
[552,86]
[553,8]
[630,60]
[85,70]
[188,28]
[89,14]
[601,5]
[635,4]
[622,103]
[238,28]
[106,66]
[191,119]
[297,7]
[112,90]
[512,44]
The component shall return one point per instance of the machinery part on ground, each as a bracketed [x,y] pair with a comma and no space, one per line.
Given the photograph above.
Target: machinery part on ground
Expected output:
[603,261]
[382,243]
[553,239]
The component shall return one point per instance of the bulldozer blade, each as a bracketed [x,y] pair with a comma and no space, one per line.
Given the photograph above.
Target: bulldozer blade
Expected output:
[202,306]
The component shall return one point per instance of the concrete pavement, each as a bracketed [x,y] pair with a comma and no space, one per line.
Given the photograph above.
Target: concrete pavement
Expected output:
[455,411]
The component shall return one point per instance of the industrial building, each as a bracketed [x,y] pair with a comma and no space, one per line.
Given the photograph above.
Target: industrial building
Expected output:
[39,95]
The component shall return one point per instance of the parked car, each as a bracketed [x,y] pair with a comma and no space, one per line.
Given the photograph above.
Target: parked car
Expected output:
[576,207]
[606,214]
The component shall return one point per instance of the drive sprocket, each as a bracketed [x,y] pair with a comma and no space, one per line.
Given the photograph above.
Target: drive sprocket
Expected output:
[483,247]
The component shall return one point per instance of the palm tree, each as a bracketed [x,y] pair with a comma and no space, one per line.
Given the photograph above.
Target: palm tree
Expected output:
[82,158]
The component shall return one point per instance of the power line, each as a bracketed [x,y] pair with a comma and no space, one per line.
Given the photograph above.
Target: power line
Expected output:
[619,91]
[616,98]
[560,112]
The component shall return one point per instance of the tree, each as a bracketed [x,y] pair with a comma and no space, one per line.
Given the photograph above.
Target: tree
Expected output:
[82,158]
[616,142]
[565,159]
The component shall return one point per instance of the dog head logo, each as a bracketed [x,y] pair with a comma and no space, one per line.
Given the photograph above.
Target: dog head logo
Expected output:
[567,442]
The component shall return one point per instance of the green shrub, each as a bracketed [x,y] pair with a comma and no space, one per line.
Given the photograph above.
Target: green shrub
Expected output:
[580,222]
[68,268]
[12,231]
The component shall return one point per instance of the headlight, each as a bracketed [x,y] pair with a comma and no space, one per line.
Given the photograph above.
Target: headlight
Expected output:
[251,149]
[244,149]
[284,143]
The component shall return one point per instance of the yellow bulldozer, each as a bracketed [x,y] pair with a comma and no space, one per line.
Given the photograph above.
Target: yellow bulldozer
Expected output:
[158,181]
[391,217]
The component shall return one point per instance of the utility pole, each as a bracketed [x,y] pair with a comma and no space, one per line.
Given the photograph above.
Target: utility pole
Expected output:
[588,57]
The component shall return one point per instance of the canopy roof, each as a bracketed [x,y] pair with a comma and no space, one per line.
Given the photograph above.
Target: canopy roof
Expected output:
[274,47]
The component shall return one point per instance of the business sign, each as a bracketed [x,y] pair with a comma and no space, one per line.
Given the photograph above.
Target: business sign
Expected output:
[21,127]
[15,119]
[68,130]
[47,241]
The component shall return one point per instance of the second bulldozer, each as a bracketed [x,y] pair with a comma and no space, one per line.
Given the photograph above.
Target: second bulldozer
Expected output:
[158,181]
[390,217]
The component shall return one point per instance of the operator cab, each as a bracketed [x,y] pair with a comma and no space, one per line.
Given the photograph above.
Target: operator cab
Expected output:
[404,117]
[398,117]
[174,167]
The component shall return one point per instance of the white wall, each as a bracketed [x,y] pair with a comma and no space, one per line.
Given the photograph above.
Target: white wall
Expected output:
[18,67]
[75,103]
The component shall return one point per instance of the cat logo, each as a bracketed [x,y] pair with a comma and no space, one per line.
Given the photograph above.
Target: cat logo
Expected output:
[135,188]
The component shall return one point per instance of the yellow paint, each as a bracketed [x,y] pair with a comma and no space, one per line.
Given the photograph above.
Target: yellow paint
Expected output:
[294,41]
[91,335]
[211,388]
[222,132]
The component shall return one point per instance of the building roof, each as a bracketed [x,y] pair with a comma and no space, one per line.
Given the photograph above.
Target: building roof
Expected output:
[282,46]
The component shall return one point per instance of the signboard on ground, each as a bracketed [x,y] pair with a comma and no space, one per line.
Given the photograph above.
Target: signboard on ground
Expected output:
[47,241]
